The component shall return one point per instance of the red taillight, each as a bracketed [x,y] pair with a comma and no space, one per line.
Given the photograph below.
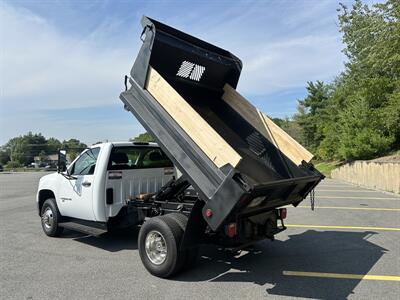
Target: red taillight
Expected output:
[231,229]
[282,213]
[209,213]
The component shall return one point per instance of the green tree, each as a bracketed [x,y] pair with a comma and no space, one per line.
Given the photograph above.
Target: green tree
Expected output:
[22,149]
[291,127]
[143,137]
[53,145]
[4,157]
[12,164]
[358,115]
[312,113]
[73,147]
[42,156]
[368,94]
[361,134]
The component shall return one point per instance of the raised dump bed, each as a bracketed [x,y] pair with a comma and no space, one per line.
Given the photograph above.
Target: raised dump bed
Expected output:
[183,92]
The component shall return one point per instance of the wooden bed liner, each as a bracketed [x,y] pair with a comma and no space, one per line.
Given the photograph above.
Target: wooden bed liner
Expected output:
[264,125]
[209,141]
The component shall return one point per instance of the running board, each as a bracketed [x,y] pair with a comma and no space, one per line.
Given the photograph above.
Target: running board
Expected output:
[87,229]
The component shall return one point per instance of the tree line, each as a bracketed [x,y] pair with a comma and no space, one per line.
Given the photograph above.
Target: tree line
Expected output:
[20,151]
[357,116]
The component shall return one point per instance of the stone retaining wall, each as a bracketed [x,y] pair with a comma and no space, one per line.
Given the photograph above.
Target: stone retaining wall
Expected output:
[383,176]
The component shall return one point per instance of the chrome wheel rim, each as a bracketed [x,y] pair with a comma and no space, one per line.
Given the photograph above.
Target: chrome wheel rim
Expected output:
[156,247]
[47,218]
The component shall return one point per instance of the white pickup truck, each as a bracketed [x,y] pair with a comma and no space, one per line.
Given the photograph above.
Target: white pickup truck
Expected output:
[120,185]
[94,190]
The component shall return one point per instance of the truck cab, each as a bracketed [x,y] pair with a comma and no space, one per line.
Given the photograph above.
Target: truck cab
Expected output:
[95,187]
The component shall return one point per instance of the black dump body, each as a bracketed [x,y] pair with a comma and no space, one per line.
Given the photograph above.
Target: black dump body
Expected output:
[198,71]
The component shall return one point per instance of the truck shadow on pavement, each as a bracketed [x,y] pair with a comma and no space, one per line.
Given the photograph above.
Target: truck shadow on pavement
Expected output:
[311,251]
[113,242]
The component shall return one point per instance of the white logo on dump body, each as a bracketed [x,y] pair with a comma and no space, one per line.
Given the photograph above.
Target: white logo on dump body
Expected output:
[191,71]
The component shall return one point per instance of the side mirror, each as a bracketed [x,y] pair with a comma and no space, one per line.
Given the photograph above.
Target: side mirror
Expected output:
[62,161]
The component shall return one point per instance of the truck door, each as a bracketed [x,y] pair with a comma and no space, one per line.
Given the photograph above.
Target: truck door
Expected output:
[76,193]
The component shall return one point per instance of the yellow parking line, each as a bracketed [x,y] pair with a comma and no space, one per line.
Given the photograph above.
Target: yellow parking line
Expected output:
[342,227]
[347,191]
[342,276]
[356,197]
[351,208]
[336,185]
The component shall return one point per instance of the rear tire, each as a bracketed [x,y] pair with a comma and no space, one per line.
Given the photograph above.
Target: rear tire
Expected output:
[191,254]
[159,242]
[50,218]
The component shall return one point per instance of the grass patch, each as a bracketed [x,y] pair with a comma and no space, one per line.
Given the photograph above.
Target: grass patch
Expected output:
[326,167]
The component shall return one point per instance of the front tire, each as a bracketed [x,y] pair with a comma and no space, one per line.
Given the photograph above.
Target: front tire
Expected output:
[159,241]
[50,218]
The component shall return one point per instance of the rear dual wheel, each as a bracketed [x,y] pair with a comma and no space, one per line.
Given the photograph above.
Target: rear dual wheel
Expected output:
[190,254]
[159,243]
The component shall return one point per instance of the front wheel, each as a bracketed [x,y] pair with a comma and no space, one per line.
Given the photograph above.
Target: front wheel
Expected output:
[50,218]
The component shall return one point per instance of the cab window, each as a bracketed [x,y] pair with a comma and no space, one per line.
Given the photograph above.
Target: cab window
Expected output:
[86,163]
[123,158]
[154,159]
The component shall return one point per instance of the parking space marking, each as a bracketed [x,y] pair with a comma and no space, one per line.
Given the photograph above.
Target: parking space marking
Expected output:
[347,191]
[351,208]
[337,185]
[357,197]
[342,227]
[343,276]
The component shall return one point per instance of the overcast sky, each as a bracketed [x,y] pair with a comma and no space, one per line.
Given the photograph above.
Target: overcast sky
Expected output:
[62,63]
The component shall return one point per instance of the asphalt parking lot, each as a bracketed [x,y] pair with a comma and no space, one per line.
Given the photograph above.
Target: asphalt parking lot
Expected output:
[349,247]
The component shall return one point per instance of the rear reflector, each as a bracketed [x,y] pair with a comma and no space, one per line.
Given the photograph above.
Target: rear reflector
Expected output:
[282,213]
[231,229]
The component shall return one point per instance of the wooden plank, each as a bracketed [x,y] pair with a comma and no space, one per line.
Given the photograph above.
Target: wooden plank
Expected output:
[288,145]
[209,141]
[246,110]
[265,126]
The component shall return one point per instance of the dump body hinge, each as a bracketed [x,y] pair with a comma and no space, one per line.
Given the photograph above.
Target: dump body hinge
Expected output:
[172,189]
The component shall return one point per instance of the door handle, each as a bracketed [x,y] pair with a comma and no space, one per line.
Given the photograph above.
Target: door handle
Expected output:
[86,183]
